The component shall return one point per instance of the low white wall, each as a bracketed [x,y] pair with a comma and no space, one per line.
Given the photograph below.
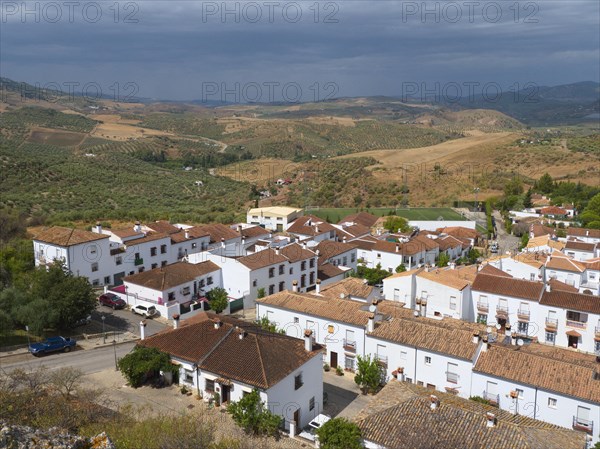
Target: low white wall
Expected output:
[432,225]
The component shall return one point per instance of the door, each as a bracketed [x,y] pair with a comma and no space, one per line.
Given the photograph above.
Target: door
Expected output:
[118,278]
[297,419]
[502,323]
[333,360]
[573,341]
[225,393]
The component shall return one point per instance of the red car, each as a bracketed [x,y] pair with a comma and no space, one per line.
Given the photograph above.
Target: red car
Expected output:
[111,300]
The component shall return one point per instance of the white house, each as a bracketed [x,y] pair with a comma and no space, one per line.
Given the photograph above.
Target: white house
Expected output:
[563,268]
[231,358]
[314,228]
[338,254]
[525,265]
[585,235]
[175,289]
[276,218]
[549,384]
[581,251]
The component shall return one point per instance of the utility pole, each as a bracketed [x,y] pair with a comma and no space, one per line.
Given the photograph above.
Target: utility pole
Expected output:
[476,202]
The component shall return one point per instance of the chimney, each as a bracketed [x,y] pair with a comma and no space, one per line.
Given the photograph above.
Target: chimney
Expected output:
[435,402]
[295,286]
[270,235]
[277,251]
[397,247]
[303,245]
[222,242]
[491,419]
[475,337]
[318,286]
[240,228]
[344,239]
[318,252]
[218,324]
[187,233]
[241,332]
[317,229]
[143,330]
[548,287]
[176,321]
[371,323]
[137,227]
[485,345]
[98,228]
[308,340]
[452,265]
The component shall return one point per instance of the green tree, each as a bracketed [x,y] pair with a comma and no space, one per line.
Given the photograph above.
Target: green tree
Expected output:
[527,200]
[545,184]
[261,293]
[524,240]
[373,276]
[339,433]
[265,324]
[591,214]
[394,223]
[252,415]
[368,374]
[218,299]
[473,255]
[143,362]
[514,187]
[401,268]
[443,260]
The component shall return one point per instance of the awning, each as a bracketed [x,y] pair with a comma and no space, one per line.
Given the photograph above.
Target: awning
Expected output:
[573,333]
[223,381]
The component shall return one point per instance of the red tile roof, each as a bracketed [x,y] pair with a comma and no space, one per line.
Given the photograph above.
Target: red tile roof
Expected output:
[583,232]
[363,218]
[173,275]
[310,225]
[61,236]
[500,285]
[262,259]
[572,301]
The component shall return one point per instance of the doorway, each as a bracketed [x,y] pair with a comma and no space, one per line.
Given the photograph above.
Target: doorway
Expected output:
[502,323]
[297,419]
[333,360]
[225,393]
[573,341]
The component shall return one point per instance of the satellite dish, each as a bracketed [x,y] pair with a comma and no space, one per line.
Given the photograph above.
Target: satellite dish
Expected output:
[489,329]
[498,326]
[372,308]
[519,342]
[416,313]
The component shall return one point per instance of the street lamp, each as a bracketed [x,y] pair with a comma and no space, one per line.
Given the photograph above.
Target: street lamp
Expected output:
[103,333]
[476,202]
[114,342]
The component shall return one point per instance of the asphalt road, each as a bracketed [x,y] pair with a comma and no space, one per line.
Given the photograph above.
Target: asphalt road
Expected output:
[122,320]
[89,361]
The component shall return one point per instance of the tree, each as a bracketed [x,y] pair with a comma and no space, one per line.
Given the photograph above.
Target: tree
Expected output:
[252,415]
[261,293]
[265,324]
[339,433]
[143,362]
[368,374]
[524,240]
[443,260]
[218,299]
[473,255]
[394,223]
[527,200]
[373,276]
[591,214]
[401,268]
[545,184]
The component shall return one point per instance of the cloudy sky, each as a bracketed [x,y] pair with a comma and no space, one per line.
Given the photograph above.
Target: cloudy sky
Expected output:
[275,49]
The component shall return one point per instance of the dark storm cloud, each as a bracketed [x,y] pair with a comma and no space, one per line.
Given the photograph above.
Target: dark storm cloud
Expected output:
[373,48]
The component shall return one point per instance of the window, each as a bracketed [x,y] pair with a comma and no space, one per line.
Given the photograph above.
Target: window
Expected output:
[94,267]
[185,291]
[427,360]
[254,283]
[119,260]
[312,277]
[171,296]
[281,269]
[282,286]
[303,280]
[379,255]
[291,270]
[163,263]
[272,272]
[349,363]
[153,266]
[597,347]
[194,245]
[519,393]
[298,381]
[523,327]
[311,403]
[452,302]
[303,265]
[96,282]
[209,280]
[188,376]
[403,355]
[93,249]
[482,318]
[550,337]
[532,276]
[107,279]
[153,251]
[271,289]
[352,257]
[552,402]
[296,319]
[573,316]
[163,249]
[452,373]
[311,263]
[209,385]
[141,270]
[345,261]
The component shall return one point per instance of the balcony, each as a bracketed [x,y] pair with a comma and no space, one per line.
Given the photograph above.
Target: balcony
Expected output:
[502,311]
[451,377]
[551,323]
[576,324]
[382,360]
[483,306]
[523,314]
[583,424]
[349,345]
[493,399]
[139,261]
[597,332]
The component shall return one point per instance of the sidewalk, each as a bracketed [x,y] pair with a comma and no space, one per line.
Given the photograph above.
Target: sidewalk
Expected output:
[95,341]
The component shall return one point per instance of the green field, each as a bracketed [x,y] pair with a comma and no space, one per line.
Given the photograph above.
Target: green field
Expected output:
[417,213]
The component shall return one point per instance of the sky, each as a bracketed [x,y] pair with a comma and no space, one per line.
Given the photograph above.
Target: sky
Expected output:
[314,50]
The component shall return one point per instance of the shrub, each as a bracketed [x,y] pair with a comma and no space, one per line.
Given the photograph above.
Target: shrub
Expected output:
[339,433]
[144,362]
[252,415]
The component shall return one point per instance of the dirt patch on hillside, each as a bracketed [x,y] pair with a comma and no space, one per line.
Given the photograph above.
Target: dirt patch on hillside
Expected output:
[123,131]
[260,171]
[55,137]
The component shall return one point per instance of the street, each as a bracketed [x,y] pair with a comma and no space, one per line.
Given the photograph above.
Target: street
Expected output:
[121,320]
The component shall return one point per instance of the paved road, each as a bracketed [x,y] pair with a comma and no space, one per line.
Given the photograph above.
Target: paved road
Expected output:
[123,320]
[89,361]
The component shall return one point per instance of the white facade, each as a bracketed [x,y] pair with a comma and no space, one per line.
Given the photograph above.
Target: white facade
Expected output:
[273,218]
[517,269]
[432,225]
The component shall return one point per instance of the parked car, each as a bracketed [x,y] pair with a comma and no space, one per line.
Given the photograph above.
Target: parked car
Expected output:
[309,432]
[52,344]
[145,311]
[83,321]
[111,300]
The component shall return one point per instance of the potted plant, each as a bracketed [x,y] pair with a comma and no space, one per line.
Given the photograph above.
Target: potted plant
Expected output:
[183,389]
[326,367]
[217,399]
[339,371]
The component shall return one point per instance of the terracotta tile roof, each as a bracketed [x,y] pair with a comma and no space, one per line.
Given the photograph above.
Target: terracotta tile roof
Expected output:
[254,231]
[405,273]
[260,359]
[164,278]
[163,226]
[126,232]
[555,284]
[60,236]
[580,246]
[262,259]
[533,259]
[356,230]
[592,264]
[401,417]
[428,243]
[217,231]
[149,237]
[539,229]
[363,218]
[328,271]
[366,245]
[342,310]
[542,240]
[414,246]
[348,287]
[490,269]
[295,253]
[459,231]
[583,232]
[458,278]
[329,248]
[549,368]
[448,242]
[564,263]
[553,210]
[572,301]
[517,288]
[310,225]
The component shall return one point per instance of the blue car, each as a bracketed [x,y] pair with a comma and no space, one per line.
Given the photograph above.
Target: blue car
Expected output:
[52,344]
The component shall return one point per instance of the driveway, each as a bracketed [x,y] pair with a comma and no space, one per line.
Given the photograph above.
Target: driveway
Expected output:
[121,321]
[344,397]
